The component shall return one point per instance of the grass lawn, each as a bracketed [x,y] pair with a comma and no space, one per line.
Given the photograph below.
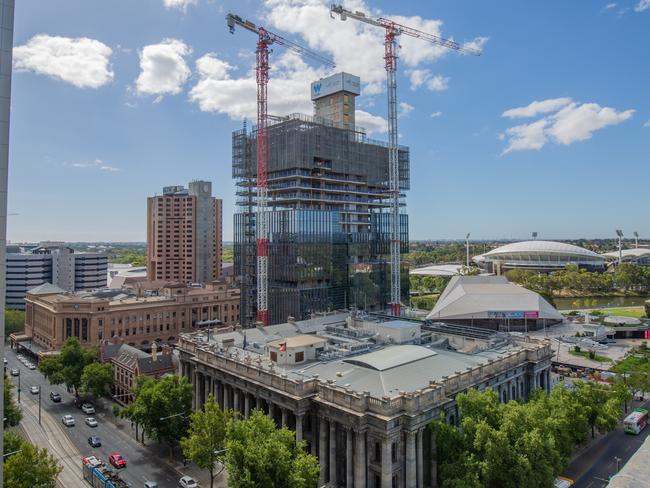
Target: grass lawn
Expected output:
[634,312]
[585,354]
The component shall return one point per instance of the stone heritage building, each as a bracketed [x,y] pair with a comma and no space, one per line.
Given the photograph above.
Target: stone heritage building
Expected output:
[136,317]
[361,390]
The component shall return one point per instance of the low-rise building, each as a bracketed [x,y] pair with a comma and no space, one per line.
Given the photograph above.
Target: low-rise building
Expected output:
[129,363]
[137,317]
[361,390]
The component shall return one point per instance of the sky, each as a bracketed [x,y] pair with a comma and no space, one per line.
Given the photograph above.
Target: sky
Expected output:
[548,130]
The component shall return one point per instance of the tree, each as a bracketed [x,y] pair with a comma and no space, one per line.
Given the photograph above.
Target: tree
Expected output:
[68,366]
[12,412]
[260,456]
[97,379]
[31,467]
[14,321]
[206,437]
[161,407]
[601,403]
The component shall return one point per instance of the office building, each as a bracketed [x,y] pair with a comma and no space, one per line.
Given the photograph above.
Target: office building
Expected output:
[52,262]
[361,390]
[184,234]
[138,317]
[328,193]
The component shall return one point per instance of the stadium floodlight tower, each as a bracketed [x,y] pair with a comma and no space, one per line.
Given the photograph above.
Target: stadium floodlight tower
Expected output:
[534,236]
[392,30]
[467,246]
[636,239]
[619,233]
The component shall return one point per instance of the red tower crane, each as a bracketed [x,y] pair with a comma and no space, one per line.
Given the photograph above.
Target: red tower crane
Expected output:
[393,30]
[264,39]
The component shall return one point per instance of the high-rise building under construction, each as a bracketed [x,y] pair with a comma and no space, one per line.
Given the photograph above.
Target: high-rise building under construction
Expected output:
[328,210]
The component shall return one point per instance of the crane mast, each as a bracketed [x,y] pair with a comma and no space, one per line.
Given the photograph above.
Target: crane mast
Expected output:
[264,39]
[392,31]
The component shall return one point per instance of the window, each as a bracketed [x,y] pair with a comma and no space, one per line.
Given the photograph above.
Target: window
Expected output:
[274,356]
[300,357]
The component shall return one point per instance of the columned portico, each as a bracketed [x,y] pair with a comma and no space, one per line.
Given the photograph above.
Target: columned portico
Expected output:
[360,459]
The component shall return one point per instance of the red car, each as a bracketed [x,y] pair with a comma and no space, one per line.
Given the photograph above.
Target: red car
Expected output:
[117,460]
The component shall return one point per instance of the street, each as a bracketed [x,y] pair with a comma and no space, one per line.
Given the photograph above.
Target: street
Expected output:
[592,468]
[142,463]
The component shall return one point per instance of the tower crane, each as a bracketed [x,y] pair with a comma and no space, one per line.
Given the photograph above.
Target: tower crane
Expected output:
[265,38]
[392,31]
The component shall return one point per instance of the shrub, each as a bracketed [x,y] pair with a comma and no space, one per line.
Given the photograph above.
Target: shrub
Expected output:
[576,348]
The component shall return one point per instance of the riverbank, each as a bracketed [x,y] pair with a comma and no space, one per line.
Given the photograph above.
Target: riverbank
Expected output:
[599,302]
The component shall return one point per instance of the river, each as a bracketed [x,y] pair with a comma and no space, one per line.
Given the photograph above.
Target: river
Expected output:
[598,302]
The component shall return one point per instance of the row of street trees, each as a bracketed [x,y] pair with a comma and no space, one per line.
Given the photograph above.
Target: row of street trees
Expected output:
[516,444]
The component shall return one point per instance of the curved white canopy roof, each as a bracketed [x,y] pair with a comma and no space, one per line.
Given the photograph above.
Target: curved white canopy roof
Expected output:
[542,247]
[635,252]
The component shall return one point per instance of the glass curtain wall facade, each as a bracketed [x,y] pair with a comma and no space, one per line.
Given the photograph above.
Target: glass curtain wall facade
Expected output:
[330,221]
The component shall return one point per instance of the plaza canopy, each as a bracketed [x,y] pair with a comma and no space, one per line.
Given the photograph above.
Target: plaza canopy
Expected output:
[438,270]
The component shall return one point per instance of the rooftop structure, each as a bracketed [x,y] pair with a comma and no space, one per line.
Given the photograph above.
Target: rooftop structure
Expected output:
[329,218]
[636,255]
[137,317]
[493,302]
[360,389]
[539,256]
[438,270]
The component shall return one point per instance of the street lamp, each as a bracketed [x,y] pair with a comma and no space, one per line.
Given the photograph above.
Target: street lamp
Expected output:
[619,233]
[636,239]
[467,244]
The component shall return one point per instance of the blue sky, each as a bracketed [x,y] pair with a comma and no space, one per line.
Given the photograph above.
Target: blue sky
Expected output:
[547,131]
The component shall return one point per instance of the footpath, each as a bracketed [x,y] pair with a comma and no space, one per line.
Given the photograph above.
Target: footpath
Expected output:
[51,436]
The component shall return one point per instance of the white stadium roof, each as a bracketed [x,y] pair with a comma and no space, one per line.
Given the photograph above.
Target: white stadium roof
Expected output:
[541,247]
[636,252]
[481,297]
[438,270]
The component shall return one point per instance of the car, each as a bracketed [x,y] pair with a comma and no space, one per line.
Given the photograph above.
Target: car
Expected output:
[31,365]
[117,460]
[91,461]
[19,356]
[6,361]
[15,372]
[187,482]
[94,441]
[68,420]
[35,390]
[87,408]
[150,484]
[91,422]
[55,397]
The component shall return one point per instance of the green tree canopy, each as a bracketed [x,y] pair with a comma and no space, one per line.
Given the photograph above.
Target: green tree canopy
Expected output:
[260,456]
[31,467]
[206,437]
[12,412]
[96,379]
[12,442]
[14,321]
[68,366]
[602,405]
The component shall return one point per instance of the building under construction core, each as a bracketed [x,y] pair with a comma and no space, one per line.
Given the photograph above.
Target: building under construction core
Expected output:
[329,203]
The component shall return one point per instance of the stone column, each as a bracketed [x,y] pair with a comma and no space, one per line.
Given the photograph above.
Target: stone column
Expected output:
[195,393]
[411,461]
[207,388]
[247,405]
[386,464]
[348,458]
[548,380]
[197,390]
[219,393]
[259,403]
[420,458]
[314,434]
[226,396]
[272,411]
[333,453]
[360,460]
[434,460]
[284,416]
[322,451]
[299,418]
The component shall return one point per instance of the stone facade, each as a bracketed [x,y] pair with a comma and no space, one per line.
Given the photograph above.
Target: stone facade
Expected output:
[360,439]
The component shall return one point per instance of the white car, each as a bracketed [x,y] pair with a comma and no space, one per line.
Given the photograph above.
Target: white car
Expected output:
[91,422]
[31,365]
[87,408]
[68,420]
[187,482]
[35,390]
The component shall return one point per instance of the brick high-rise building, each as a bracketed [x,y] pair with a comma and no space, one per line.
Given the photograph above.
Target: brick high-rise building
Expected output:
[184,234]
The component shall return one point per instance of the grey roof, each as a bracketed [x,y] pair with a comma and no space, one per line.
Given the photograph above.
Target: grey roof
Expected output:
[46,289]
[129,355]
[391,357]
[467,297]
[635,473]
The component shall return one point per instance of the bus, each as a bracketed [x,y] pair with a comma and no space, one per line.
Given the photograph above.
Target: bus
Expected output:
[636,421]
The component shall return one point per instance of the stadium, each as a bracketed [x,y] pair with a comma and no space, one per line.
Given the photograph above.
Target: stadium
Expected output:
[542,256]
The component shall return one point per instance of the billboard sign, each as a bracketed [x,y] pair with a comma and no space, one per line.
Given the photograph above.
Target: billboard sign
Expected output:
[335,83]
[513,315]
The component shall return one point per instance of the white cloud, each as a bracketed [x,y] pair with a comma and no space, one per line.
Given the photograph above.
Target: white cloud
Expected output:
[372,123]
[179,4]
[83,62]
[163,69]
[476,44]
[535,108]
[647,124]
[404,109]
[435,114]
[420,77]
[572,122]
[92,164]
[438,83]
[609,6]
[577,122]
[642,6]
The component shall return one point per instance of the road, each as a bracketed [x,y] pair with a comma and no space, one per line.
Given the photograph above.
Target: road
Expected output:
[592,468]
[142,464]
